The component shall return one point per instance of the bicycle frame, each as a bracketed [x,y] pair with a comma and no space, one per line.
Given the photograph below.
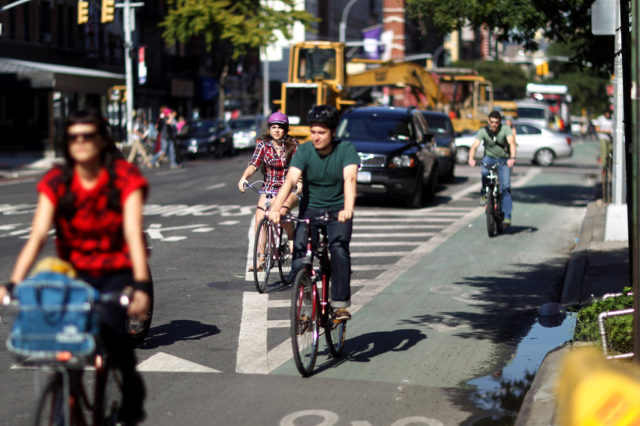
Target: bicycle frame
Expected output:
[493,204]
[321,252]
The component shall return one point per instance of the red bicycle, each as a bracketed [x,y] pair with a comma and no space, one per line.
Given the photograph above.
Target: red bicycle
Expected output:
[311,309]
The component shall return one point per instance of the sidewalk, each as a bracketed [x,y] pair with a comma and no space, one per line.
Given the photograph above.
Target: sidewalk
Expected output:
[23,164]
[595,268]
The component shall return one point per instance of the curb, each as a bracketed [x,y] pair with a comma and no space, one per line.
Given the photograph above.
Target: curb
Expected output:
[572,287]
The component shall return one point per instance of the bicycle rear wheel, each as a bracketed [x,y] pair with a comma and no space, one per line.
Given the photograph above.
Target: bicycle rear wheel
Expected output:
[304,322]
[492,225]
[334,333]
[50,407]
[284,257]
[262,263]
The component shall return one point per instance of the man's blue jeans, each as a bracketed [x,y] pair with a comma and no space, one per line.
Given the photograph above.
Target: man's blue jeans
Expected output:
[167,147]
[504,176]
[339,236]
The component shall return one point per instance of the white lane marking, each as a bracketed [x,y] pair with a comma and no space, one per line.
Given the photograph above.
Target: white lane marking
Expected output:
[252,340]
[282,353]
[430,218]
[162,362]
[155,231]
[392,235]
[380,253]
[229,222]
[383,243]
[16,182]
[216,186]
[203,230]
[410,212]
[407,226]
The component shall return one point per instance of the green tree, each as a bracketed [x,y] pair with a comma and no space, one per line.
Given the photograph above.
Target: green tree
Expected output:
[235,25]
[567,21]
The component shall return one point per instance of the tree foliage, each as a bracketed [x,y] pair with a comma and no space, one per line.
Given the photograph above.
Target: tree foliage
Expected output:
[567,21]
[509,80]
[244,24]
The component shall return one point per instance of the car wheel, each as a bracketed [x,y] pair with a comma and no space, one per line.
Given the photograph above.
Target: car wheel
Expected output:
[416,199]
[450,176]
[462,155]
[544,157]
[430,188]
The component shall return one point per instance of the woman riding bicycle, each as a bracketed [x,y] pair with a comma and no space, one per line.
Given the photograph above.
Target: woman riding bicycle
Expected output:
[275,151]
[95,200]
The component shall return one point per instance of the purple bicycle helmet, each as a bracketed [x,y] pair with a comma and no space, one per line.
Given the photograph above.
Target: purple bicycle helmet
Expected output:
[278,118]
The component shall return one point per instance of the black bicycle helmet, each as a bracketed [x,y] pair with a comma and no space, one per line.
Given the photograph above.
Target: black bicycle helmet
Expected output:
[324,114]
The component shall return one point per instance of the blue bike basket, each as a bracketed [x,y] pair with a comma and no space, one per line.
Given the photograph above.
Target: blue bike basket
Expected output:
[56,315]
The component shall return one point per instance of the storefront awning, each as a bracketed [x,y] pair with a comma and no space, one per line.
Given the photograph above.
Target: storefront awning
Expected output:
[61,77]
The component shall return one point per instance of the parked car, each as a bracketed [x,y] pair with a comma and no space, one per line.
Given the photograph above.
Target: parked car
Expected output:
[442,129]
[206,136]
[535,143]
[246,130]
[398,155]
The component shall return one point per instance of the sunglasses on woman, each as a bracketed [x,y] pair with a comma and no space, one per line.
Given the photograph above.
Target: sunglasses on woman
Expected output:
[86,136]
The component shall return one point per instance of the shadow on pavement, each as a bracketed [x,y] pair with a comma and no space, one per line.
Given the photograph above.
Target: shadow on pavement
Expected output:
[176,331]
[364,347]
[519,229]
[506,306]
[561,195]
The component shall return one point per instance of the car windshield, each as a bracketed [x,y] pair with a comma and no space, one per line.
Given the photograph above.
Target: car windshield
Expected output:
[242,123]
[437,124]
[199,128]
[530,112]
[374,128]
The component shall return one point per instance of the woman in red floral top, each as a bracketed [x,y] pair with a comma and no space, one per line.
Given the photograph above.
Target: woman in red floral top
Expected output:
[95,201]
[275,151]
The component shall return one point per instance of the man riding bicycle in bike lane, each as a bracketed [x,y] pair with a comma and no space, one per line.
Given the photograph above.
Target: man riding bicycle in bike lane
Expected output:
[499,148]
[328,168]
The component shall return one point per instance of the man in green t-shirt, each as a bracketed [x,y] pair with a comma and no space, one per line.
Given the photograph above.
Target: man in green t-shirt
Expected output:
[328,168]
[499,148]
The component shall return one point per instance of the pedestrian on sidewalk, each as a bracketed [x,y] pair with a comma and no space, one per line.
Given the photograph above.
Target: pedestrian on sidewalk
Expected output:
[138,137]
[167,134]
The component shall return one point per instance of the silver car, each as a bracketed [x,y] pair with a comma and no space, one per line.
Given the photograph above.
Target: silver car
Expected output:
[538,144]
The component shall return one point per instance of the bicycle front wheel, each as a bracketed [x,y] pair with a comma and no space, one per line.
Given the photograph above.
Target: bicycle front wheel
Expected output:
[304,322]
[50,409]
[334,333]
[492,225]
[108,395]
[263,255]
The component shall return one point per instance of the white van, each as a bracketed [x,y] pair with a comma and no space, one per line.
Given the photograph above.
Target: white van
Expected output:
[535,112]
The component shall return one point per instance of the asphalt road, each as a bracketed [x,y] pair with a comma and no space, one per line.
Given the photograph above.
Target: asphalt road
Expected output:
[436,302]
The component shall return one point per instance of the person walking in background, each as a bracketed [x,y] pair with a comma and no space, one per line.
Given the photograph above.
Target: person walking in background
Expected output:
[138,137]
[95,201]
[167,135]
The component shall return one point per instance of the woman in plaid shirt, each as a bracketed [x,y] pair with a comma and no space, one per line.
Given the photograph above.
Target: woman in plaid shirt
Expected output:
[274,151]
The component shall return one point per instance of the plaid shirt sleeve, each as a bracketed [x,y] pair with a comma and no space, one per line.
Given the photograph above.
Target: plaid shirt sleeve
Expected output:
[258,154]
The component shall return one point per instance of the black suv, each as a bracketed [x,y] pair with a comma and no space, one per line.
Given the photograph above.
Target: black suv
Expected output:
[206,136]
[397,154]
[441,128]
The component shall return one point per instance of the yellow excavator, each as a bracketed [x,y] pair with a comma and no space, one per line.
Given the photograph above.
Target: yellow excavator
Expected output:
[318,75]
[470,97]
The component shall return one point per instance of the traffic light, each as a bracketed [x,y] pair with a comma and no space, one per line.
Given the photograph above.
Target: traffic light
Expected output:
[108,11]
[83,12]
[543,68]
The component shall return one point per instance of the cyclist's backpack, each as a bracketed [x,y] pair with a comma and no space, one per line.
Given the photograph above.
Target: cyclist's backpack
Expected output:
[56,315]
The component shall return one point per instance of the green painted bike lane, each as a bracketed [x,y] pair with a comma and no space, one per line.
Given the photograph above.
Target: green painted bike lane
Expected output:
[460,310]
